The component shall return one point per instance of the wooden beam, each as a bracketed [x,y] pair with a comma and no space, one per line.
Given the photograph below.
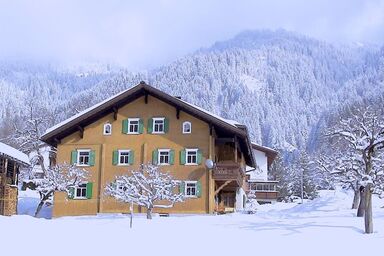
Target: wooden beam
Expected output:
[235,149]
[115,111]
[222,186]
[224,140]
[177,113]
[81,130]
[210,129]
[57,141]
[146,97]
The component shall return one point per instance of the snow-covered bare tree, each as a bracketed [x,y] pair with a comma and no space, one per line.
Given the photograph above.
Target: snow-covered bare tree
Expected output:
[28,130]
[62,177]
[148,187]
[362,133]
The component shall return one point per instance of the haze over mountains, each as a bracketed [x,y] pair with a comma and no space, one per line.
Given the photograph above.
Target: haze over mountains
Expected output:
[282,85]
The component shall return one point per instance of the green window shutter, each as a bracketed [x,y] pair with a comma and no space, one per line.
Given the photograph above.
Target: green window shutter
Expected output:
[131,157]
[182,156]
[150,125]
[172,157]
[89,190]
[154,156]
[182,188]
[198,189]
[71,192]
[115,157]
[141,126]
[199,156]
[166,125]
[74,157]
[125,126]
[92,156]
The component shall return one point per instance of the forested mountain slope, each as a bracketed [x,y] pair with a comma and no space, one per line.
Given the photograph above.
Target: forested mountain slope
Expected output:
[280,84]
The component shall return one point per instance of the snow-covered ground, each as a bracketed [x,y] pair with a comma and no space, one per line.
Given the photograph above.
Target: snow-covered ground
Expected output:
[324,226]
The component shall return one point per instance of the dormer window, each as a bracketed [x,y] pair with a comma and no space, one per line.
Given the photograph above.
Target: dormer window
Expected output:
[187,127]
[107,129]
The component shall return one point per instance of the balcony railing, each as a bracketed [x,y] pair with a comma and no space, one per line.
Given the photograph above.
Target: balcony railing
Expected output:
[229,171]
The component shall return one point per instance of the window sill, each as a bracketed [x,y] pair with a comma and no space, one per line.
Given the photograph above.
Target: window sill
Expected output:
[164,164]
[158,132]
[133,133]
[190,196]
[83,165]
[191,164]
[80,198]
[123,164]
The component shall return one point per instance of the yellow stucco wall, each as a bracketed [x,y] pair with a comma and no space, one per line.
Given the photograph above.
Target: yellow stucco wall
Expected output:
[104,171]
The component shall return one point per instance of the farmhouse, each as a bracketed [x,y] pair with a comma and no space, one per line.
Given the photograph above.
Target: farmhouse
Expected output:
[11,160]
[258,182]
[144,124]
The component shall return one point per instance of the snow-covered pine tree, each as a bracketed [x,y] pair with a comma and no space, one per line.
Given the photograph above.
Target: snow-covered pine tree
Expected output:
[148,187]
[251,204]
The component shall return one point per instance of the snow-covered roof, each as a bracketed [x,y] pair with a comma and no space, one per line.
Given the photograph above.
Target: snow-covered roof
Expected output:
[74,117]
[13,153]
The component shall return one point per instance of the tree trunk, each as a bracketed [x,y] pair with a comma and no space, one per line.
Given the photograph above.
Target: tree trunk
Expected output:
[149,213]
[368,210]
[42,202]
[360,210]
[39,207]
[131,217]
[356,199]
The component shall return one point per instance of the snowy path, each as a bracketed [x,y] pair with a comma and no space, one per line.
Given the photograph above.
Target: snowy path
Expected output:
[324,226]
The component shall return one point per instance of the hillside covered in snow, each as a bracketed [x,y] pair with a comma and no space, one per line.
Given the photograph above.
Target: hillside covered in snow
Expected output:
[280,84]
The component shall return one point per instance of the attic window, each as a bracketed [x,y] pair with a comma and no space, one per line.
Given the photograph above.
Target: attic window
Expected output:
[107,129]
[187,127]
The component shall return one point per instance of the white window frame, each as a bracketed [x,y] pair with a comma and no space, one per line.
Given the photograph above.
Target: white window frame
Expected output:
[154,122]
[190,127]
[110,129]
[119,155]
[185,188]
[138,125]
[187,150]
[78,156]
[78,187]
[158,156]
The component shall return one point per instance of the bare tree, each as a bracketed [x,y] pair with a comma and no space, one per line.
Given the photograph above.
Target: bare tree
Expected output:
[363,136]
[147,187]
[61,177]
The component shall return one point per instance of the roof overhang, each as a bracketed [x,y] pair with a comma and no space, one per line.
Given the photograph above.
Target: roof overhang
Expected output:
[269,152]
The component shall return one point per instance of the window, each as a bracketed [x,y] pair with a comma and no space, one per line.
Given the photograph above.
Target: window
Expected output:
[124,157]
[190,189]
[81,191]
[191,156]
[164,156]
[133,125]
[83,157]
[187,127]
[158,125]
[107,129]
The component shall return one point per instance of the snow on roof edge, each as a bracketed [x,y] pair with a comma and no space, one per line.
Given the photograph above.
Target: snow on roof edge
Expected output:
[14,153]
[51,129]
[56,126]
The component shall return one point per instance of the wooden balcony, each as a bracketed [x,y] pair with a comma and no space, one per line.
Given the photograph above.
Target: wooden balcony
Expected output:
[266,195]
[229,172]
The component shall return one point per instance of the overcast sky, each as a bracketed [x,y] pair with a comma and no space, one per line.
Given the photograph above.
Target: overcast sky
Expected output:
[142,34]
